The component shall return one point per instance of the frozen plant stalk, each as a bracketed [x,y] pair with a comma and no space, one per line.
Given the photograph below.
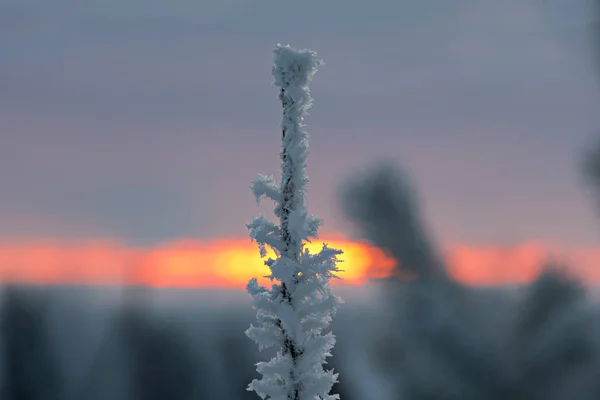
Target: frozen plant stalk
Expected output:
[295,312]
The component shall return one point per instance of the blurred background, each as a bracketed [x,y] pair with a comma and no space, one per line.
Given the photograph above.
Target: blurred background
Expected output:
[137,343]
[130,131]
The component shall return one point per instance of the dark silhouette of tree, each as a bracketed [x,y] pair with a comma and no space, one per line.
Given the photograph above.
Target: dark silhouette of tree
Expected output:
[458,342]
[236,359]
[32,370]
[591,159]
[161,362]
[594,31]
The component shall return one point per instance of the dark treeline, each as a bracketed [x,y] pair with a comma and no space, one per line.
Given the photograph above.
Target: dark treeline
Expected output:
[54,347]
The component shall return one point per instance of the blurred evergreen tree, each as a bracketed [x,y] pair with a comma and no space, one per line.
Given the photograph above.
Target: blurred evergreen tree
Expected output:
[31,366]
[162,364]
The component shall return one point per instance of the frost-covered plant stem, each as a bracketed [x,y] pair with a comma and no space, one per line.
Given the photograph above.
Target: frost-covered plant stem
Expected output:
[299,306]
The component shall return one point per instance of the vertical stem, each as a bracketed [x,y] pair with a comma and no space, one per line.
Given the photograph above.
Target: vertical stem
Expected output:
[289,242]
[293,71]
[287,186]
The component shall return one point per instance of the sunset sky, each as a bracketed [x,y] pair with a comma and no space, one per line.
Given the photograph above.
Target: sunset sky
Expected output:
[142,122]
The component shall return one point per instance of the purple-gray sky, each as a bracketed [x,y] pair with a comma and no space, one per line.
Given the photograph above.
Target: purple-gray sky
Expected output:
[145,120]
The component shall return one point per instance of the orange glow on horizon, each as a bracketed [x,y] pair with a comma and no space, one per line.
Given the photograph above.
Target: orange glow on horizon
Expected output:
[230,263]
[184,263]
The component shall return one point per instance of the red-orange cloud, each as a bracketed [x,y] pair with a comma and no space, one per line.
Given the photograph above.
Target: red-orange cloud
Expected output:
[232,262]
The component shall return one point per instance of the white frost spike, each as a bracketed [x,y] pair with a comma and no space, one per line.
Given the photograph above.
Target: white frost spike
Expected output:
[265,186]
[293,314]
[295,68]
[264,232]
[297,224]
[283,269]
[313,224]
